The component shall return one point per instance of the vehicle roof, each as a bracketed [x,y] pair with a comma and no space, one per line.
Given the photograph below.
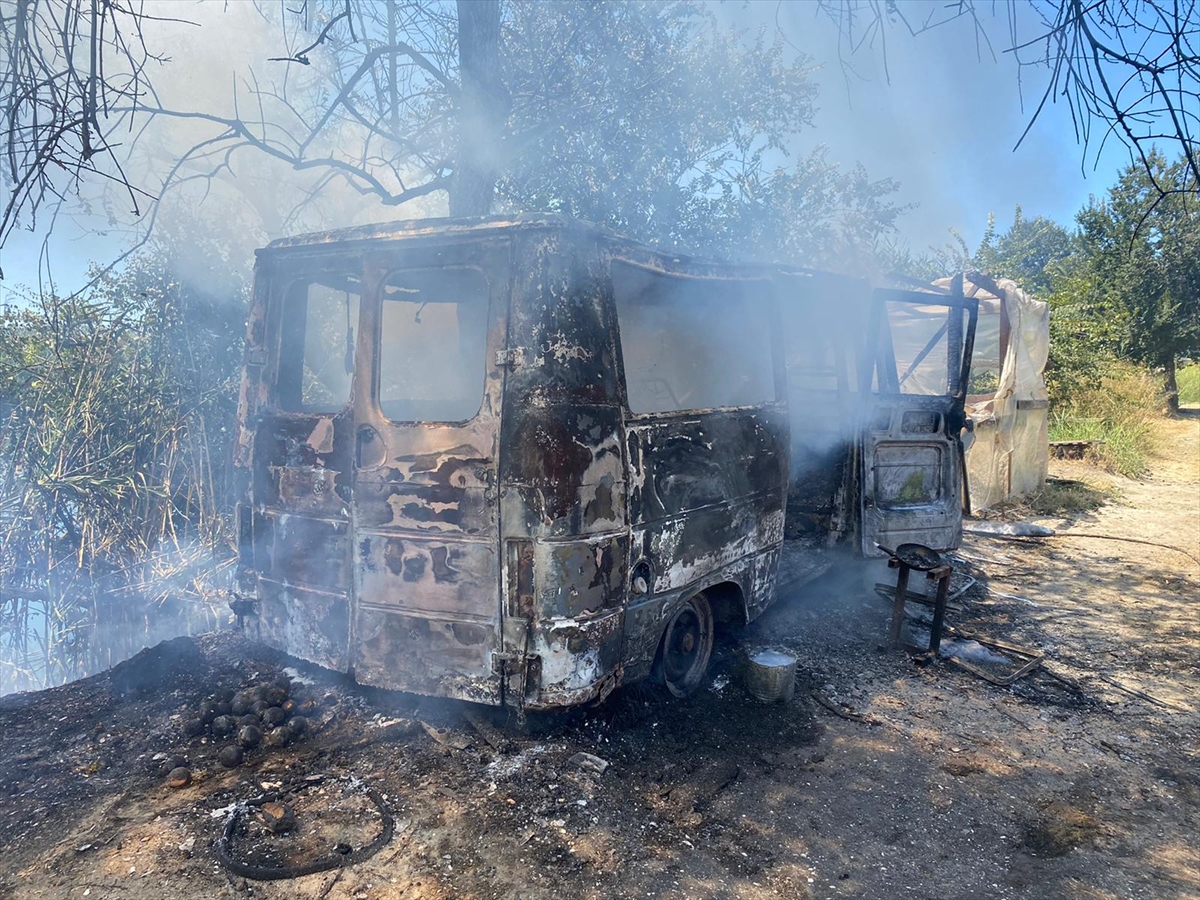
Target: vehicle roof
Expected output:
[484,225]
[406,228]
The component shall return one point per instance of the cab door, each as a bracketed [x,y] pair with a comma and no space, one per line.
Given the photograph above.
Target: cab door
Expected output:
[427,422]
[912,454]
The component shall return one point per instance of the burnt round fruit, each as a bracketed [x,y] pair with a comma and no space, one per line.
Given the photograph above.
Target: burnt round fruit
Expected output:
[230,757]
[250,736]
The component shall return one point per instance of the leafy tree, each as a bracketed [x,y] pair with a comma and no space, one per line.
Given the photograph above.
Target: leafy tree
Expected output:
[1143,248]
[634,113]
[651,117]
[1028,252]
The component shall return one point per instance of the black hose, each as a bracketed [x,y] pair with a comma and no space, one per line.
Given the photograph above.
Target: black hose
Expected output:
[278,873]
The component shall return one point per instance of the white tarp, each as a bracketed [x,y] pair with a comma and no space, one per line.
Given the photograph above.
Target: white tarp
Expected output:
[1010,454]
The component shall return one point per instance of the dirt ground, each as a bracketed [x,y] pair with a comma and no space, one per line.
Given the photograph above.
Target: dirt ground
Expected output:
[882,778]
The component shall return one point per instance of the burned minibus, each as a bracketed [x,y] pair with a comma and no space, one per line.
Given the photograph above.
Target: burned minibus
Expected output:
[524,461]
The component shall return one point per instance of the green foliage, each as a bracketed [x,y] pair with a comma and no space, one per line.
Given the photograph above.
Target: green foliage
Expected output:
[1084,334]
[1119,415]
[671,128]
[118,409]
[1143,248]
[1189,384]
[1028,252]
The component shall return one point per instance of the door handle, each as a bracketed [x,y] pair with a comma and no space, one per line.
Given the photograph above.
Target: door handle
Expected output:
[369,451]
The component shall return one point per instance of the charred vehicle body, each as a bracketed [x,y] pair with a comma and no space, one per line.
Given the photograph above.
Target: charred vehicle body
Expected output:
[524,461]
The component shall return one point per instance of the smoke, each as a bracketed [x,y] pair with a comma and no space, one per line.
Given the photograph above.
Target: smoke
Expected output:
[223,195]
[941,112]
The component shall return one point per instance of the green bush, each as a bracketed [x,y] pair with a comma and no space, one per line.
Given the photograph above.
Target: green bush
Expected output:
[117,410]
[1188,381]
[1119,415]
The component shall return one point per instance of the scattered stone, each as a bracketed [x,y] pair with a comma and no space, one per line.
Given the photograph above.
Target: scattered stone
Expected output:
[588,762]
[170,763]
[278,818]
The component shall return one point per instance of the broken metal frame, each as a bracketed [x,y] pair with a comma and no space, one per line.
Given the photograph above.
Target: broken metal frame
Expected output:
[1031,658]
[941,574]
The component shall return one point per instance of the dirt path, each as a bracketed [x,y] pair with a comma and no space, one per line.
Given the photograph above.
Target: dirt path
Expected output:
[1081,780]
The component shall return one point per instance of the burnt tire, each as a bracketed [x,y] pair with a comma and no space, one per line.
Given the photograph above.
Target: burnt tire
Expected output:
[686,647]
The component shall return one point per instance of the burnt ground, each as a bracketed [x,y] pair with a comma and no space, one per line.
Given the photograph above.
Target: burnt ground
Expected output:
[881,778]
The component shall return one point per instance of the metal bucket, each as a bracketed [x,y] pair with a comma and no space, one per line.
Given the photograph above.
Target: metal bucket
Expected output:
[770,674]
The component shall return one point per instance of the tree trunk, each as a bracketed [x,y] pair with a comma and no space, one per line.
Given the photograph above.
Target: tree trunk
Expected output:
[482,110]
[1170,387]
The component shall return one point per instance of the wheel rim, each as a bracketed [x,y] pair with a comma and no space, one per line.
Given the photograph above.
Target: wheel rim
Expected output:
[687,646]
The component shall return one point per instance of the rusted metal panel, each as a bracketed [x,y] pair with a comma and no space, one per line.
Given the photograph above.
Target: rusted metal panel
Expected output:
[453,579]
[427,655]
[426,501]
[562,475]
[313,625]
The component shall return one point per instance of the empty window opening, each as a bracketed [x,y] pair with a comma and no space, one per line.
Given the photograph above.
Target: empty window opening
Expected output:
[316,357]
[692,343]
[433,344]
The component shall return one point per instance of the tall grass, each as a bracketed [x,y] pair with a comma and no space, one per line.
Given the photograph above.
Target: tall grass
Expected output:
[115,415]
[1188,381]
[1119,415]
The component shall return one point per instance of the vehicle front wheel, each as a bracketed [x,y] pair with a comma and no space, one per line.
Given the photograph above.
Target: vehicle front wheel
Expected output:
[686,647]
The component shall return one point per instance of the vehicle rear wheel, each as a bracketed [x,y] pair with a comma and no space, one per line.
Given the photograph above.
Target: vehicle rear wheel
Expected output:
[686,647]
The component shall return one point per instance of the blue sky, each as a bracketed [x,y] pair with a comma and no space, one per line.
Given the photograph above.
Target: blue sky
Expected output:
[944,127]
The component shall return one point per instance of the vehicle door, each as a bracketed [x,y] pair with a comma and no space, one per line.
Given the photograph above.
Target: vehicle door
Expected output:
[427,423]
[912,471]
[298,438]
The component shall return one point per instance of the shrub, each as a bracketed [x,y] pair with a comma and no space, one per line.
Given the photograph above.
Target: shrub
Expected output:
[117,412]
[1187,378]
[1118,415]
